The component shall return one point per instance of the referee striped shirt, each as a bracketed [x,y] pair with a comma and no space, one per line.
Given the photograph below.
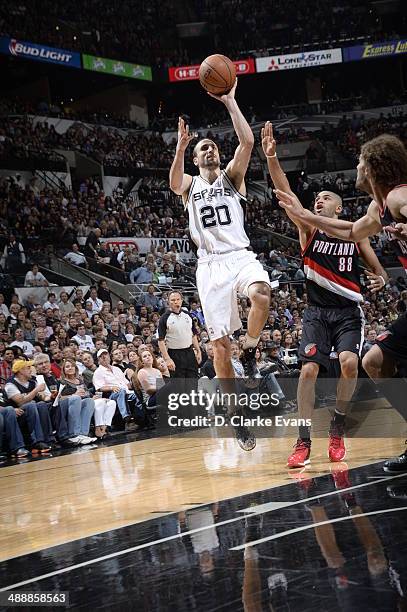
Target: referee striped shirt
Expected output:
[177,329]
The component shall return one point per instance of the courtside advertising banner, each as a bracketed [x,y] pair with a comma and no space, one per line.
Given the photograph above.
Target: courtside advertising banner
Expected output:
[375,50]
[191,73]
[39,53]
[145,245]
[306,59]
[116,67]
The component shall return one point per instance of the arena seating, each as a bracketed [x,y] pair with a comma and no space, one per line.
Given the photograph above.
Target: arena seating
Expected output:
[155,39]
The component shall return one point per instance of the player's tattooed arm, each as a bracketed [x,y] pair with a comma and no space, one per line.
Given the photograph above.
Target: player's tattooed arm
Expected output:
[237,167]
[179,181]
[366,226]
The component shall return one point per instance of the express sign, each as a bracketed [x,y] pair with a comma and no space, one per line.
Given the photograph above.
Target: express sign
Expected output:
[191,73]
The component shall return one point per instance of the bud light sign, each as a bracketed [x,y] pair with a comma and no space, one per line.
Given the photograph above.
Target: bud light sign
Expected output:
[40,53]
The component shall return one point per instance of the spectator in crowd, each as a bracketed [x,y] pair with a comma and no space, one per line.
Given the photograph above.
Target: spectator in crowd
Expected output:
[208,368]
[113,382]
[74,256]
[97,303]
[13,254]
[83,340]
[22,392]
[103,292]
[3,307]
[35,278]
[369,341]
[93,243]
[19,340]
[143,275]
[59,413]
[6,366]
[150,300]
[65,306]
[146,378]
[90,367]
[80,406]
[51,303]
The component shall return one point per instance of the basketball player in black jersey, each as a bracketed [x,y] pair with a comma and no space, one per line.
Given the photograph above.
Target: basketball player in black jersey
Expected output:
[382,173]
[333,318]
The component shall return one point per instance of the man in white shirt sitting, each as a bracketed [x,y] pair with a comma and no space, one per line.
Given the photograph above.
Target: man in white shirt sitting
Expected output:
[65,306]
[76,257]
[35,278]
[110,379]
[84,342]
[51,302]
[97,303]
[24,345]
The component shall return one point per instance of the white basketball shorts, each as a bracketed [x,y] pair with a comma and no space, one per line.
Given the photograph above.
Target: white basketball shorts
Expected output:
[219,279]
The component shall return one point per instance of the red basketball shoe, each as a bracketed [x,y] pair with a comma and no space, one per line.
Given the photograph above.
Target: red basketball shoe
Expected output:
[301,454]
[336,447]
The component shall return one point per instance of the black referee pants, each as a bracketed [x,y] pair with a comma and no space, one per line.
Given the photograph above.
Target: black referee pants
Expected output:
[186,365]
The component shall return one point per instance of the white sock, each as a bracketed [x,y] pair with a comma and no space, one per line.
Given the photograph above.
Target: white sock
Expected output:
[250,342]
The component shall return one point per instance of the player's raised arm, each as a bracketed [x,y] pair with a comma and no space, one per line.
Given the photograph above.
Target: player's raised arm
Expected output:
[269,146]
[367,226]
[179,181]
[237,167]
[280,180]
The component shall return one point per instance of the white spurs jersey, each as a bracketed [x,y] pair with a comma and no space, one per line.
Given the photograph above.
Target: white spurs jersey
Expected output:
[216,216]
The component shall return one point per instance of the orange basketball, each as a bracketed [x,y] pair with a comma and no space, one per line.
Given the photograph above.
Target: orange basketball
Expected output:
[217,74]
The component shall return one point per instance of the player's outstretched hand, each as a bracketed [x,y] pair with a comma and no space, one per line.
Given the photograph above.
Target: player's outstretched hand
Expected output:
[267,140]
[290,203]
[376,282]
[399,230]
[225,98]
[184,137]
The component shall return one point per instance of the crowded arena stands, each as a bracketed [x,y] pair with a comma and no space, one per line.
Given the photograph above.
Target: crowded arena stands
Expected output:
[155,39]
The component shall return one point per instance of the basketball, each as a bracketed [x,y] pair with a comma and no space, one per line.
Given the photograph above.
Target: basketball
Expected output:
[217,74]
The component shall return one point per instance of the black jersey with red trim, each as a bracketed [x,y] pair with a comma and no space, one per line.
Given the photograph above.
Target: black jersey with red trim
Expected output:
[399,246]
[331,267]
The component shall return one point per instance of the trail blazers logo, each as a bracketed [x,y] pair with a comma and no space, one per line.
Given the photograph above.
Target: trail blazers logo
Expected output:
[310,350]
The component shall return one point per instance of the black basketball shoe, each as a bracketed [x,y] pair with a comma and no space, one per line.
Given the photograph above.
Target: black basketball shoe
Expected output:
[251,371]
[398,465]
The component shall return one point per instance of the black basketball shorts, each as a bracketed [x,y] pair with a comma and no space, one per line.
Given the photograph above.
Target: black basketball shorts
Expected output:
[394,340]
[327,329]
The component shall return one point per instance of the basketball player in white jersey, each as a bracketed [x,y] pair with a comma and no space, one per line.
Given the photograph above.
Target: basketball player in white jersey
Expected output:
[214,200]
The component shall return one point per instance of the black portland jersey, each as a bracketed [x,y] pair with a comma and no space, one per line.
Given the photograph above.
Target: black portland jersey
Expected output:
[331,268]
[399,246]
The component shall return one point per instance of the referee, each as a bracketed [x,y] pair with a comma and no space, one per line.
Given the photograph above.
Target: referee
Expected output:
[177,339]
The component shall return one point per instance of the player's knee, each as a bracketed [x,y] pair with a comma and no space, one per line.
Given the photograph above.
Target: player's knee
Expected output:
[370,363]
[260,295]
[349,365]
[309,371]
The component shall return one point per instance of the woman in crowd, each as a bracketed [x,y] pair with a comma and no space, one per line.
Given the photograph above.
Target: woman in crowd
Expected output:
[62,338]
[162,366]
[133,363]
[146,378]
[75,399]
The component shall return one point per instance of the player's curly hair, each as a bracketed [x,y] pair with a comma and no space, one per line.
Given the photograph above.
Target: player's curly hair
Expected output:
[386,157]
